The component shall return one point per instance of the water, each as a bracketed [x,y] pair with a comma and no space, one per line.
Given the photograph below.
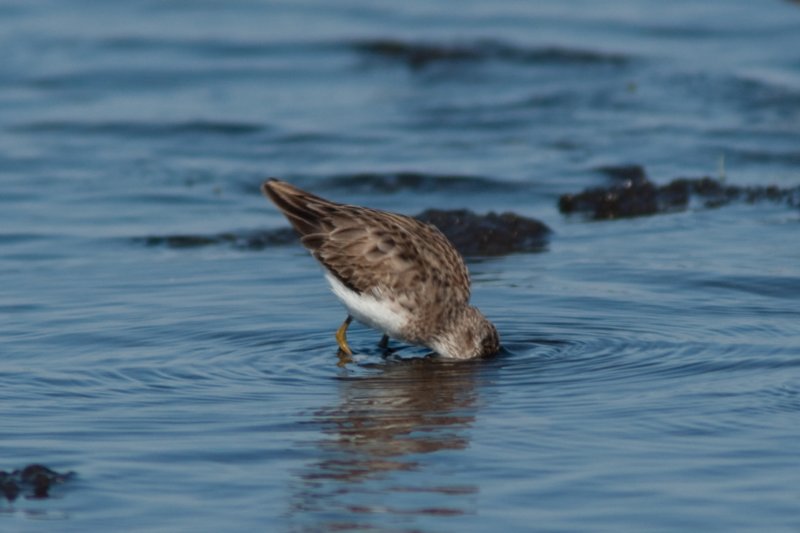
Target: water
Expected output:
[651,378]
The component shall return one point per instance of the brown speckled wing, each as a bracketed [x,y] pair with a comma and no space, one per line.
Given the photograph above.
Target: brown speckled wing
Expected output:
[371,250]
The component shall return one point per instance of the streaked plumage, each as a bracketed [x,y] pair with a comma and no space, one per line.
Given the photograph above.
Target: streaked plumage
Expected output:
[392,272]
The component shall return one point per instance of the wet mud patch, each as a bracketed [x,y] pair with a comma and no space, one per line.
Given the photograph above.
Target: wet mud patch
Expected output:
[417,55]
[32,482]
[472,234]
[634,194]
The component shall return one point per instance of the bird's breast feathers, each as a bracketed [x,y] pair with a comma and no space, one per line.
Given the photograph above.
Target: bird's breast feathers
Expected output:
[371,309]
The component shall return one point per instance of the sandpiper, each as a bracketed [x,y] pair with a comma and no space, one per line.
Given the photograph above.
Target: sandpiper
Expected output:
[392,272]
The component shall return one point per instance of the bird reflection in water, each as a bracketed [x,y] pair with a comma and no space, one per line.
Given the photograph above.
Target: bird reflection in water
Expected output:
[375,458]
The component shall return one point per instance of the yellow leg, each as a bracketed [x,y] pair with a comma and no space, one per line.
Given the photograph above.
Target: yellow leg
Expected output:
[341,336]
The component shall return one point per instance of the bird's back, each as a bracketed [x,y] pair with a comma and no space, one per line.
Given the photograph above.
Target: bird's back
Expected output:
[374,252]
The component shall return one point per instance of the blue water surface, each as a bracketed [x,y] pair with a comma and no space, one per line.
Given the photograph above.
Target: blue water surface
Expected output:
[651,373]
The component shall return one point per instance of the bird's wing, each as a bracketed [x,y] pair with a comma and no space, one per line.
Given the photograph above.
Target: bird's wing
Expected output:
[372,251]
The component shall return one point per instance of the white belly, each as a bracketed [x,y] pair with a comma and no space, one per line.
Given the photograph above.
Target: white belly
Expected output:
[370,309]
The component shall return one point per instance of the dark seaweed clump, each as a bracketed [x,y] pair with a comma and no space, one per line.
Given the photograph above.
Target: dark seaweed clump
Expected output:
[488,235]
[635,195]
[470,233]
[33,481]
[244,240]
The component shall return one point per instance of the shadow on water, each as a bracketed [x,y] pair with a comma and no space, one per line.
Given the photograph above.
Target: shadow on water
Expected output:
[374,456]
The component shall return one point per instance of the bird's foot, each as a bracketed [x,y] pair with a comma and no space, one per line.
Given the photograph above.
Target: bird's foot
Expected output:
[341,336]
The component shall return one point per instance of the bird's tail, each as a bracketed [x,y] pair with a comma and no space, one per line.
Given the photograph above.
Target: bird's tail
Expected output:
[304,210]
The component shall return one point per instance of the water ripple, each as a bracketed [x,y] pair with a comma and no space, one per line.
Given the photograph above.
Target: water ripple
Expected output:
[126,129]
[418,55]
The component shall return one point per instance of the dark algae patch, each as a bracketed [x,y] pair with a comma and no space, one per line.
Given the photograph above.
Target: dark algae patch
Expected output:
[245,240]
[33,482]
[634,194]
[488,235]
[470,233]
